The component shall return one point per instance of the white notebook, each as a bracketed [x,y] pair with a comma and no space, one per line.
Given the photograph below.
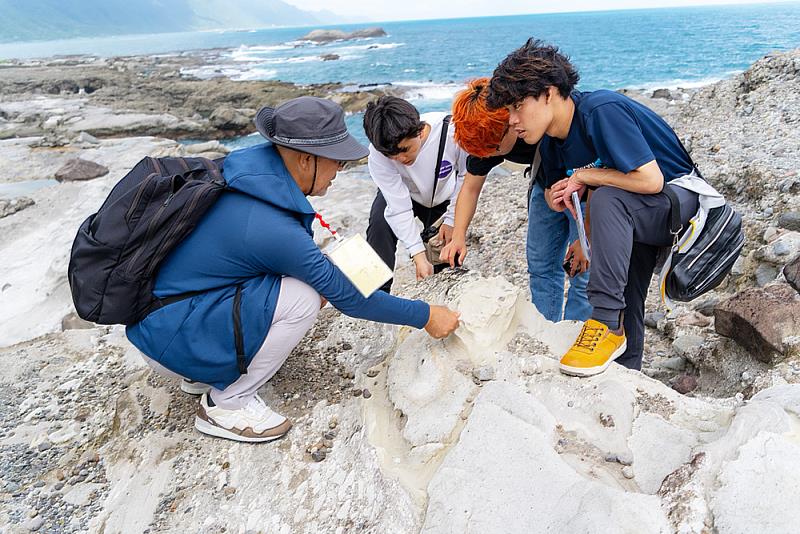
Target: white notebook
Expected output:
[360,264]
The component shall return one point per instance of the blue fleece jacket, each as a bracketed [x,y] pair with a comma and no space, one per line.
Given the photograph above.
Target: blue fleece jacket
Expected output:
[256,233]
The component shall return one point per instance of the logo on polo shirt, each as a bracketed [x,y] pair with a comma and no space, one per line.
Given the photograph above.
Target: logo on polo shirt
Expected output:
[445,169]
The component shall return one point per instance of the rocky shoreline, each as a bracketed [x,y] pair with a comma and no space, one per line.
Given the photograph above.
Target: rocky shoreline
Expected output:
[144,95]
[393,430]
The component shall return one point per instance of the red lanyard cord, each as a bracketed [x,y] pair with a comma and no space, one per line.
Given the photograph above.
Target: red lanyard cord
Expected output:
[326,226]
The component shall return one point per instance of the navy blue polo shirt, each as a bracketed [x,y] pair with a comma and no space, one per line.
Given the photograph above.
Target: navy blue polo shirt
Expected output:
[622,133]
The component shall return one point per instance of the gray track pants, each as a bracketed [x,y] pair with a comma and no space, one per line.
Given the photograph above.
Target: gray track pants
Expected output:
[295,312]
[627,231]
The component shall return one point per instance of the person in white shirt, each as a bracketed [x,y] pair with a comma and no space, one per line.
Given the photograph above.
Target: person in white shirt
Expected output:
[403,152]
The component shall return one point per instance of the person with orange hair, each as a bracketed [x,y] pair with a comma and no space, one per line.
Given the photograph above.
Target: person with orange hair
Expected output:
[484,134]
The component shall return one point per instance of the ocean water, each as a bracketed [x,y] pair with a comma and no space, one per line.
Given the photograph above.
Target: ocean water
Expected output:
[648,48]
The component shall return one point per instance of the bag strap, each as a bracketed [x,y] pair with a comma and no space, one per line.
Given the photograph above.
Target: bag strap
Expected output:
[534,170]
[675,225]
[439,156]
[675,228]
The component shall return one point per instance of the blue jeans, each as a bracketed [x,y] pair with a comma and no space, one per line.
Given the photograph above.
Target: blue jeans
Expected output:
[549,234]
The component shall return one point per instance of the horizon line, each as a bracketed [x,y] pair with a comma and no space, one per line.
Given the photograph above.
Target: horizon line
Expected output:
[572,12]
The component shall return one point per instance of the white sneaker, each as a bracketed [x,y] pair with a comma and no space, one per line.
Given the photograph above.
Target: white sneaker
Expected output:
[253,423]
[194,388]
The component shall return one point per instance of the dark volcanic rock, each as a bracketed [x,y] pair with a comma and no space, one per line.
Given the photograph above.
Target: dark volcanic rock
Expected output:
[662,93]
[792,273]
[762,320]
[790,221]
[80,169]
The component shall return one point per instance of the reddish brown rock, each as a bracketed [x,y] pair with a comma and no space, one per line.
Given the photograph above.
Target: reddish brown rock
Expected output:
[80,169]
[684,384]
[766,321]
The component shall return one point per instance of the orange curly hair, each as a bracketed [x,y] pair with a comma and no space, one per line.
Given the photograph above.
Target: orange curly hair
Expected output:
[478,128]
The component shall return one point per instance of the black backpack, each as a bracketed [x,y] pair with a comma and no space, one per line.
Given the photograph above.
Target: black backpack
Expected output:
[118,250]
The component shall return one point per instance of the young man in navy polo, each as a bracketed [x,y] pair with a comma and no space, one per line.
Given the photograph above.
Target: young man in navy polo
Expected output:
[638,153]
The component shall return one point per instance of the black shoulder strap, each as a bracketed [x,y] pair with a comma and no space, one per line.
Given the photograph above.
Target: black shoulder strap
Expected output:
[534,170]
[675,226]
[675,206]
[440,155]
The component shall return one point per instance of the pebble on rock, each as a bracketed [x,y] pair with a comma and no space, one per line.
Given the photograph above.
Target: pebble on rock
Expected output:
[627,472]
[484,373]
[34,524]
[367,393]
[318,456]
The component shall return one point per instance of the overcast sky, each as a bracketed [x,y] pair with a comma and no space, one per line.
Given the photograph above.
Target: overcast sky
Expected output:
[381,10]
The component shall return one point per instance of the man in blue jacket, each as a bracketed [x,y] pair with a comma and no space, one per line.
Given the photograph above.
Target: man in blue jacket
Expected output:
[261,275]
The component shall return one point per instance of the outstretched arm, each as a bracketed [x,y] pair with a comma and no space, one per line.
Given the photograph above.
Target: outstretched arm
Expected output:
[466,205]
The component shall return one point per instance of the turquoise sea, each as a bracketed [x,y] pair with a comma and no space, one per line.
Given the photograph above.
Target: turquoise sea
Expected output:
[646,48]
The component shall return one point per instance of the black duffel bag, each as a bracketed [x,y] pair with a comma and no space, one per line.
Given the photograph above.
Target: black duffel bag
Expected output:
[705,253]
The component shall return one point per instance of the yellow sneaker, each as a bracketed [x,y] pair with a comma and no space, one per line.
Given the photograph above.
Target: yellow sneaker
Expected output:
[593,351]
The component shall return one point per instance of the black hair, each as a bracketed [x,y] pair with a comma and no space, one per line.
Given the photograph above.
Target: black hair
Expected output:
[390,120]
[529,71]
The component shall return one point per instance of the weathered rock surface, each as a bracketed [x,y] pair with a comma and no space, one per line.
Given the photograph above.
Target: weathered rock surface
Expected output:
[78,169]
[228,118]
[765,321]
[13,205]
[145,96]
[782,249]
[38,296]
